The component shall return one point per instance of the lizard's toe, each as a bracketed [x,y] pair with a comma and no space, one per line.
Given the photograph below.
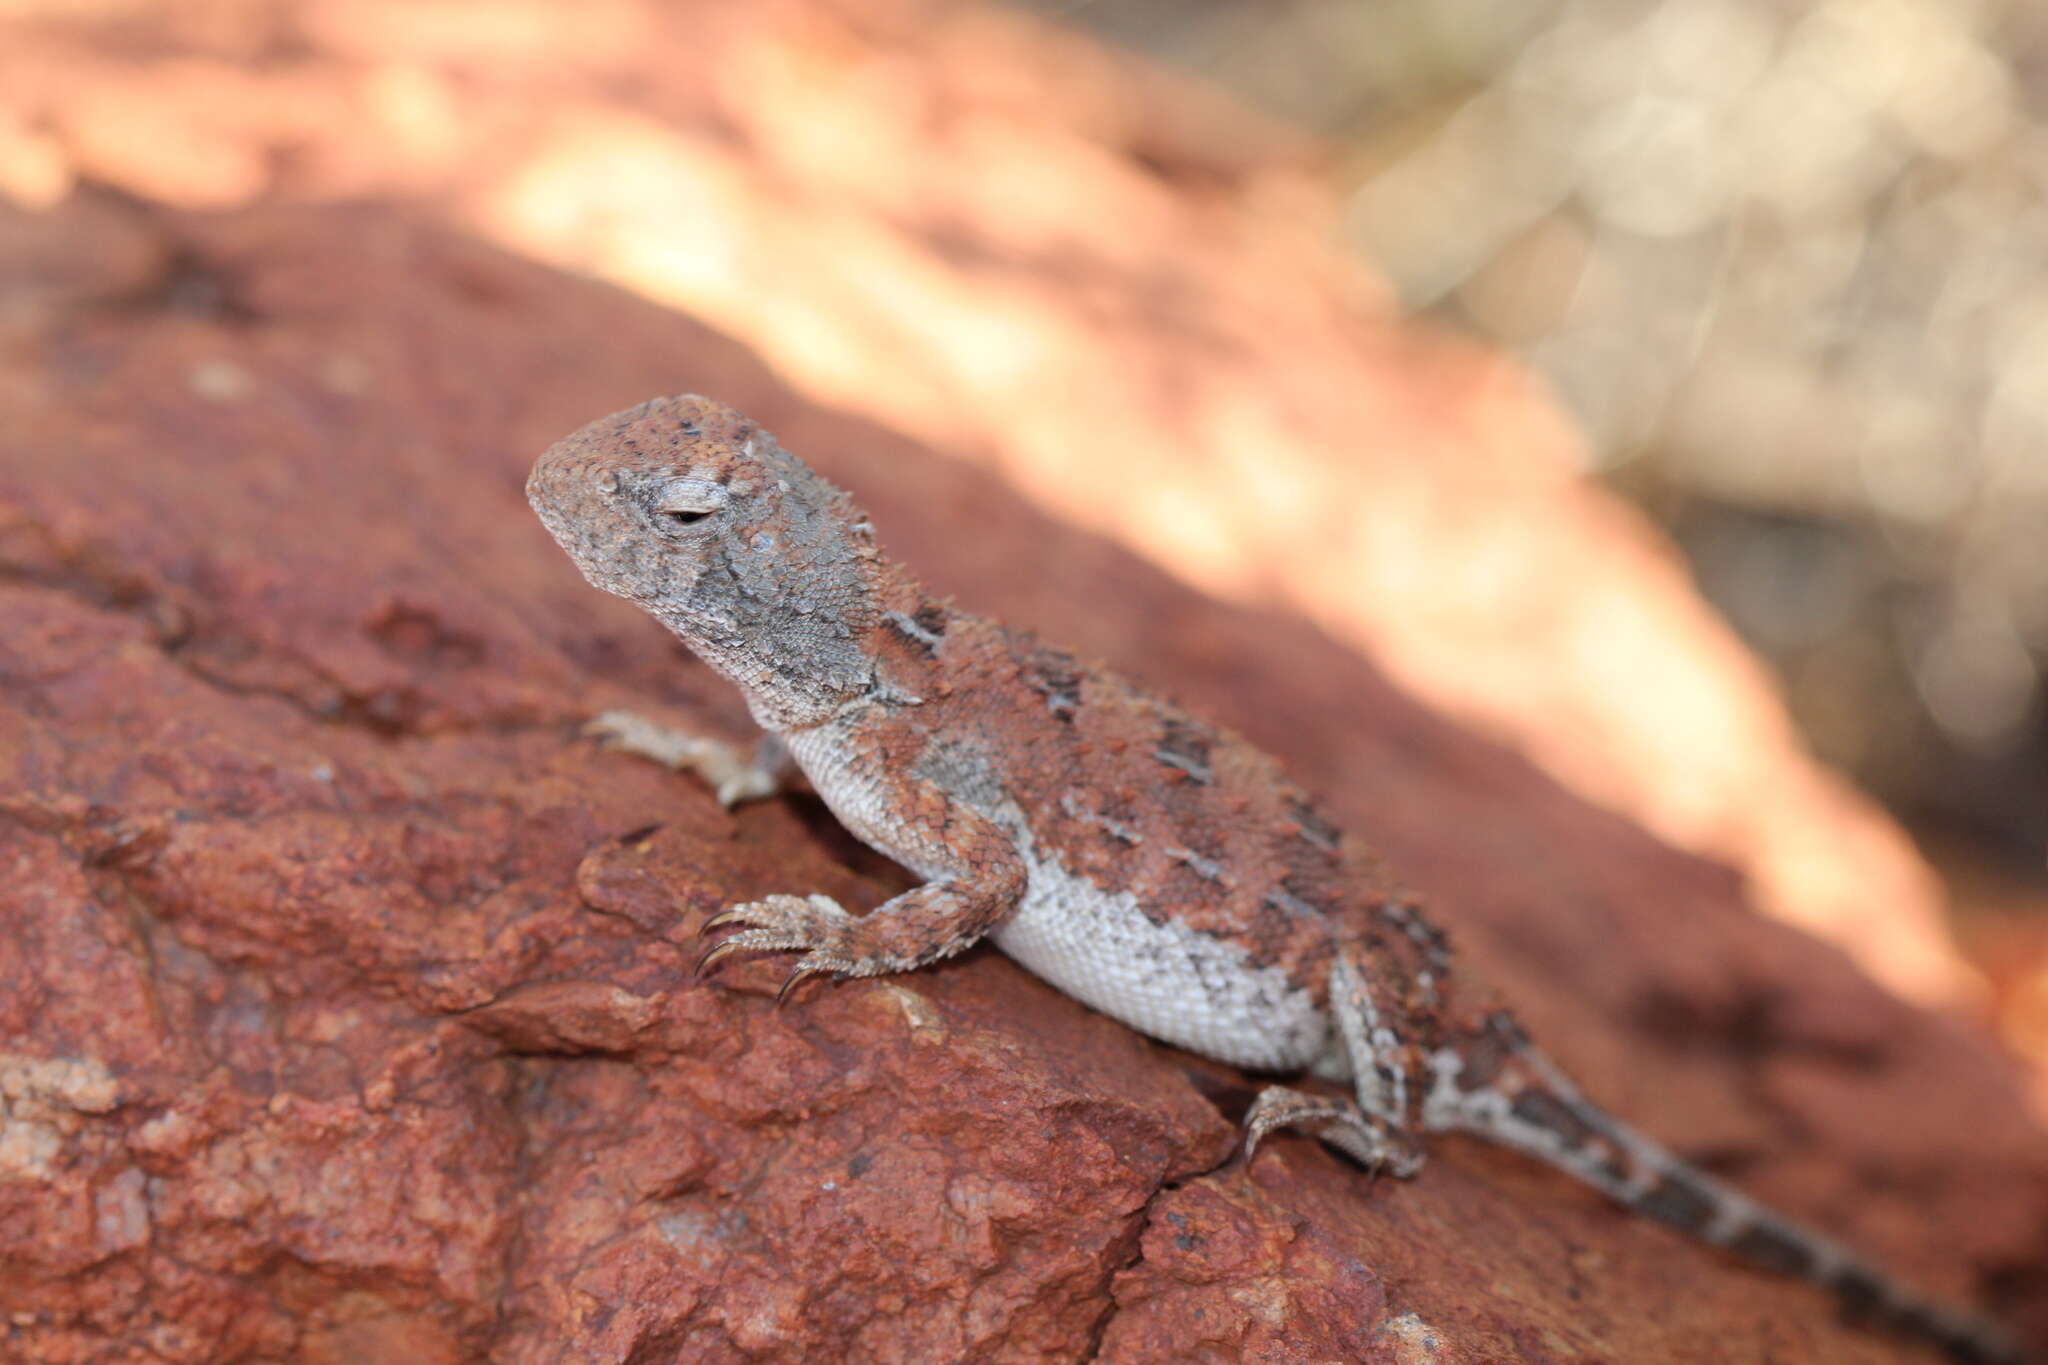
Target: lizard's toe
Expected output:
[624,730]
[748,784]
[809,967]
[1338,1122]
[813,925]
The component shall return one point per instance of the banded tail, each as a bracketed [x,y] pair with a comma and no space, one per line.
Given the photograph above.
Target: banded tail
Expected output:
[1500,1087]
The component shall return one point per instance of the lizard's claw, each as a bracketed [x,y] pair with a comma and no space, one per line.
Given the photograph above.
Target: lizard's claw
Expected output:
[713,953]
[803,969]
[1263,1119]
[813,925]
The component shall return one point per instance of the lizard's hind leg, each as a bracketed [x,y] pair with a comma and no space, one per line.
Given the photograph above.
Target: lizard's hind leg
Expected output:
[1375,1130]
[1372,1051]
[1367,1140]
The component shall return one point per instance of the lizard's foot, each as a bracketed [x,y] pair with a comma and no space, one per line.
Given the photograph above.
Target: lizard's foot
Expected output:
[921,926]
[1338,1122]
[816,926]
[732,775]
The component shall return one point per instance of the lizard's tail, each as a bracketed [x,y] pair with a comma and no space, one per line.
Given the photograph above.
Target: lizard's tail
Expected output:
[1499,1086]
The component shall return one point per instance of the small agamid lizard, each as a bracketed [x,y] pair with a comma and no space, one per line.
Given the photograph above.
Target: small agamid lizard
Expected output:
[1143,861]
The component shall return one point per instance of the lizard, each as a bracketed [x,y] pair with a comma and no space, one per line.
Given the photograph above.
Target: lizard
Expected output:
[1139,859]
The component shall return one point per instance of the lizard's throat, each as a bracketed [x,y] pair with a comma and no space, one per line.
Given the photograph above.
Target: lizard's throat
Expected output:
[795,669]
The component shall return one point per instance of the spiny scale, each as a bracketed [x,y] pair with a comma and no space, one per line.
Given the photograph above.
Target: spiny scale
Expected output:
[1143,861]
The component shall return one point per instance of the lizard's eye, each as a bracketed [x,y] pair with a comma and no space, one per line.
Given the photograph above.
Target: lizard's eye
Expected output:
[685,502]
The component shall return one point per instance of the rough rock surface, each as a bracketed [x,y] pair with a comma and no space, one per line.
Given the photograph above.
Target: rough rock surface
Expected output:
[345,1011]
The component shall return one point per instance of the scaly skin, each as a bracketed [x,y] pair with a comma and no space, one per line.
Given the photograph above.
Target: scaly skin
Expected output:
[1138,858]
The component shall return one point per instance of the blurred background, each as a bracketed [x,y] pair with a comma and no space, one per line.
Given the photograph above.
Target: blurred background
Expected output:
[1779,268]
[1787,265]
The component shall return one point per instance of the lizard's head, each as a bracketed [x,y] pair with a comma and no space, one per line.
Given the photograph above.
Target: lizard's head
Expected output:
[688,509]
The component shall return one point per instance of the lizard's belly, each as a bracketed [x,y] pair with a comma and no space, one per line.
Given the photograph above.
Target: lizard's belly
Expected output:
[1166,980]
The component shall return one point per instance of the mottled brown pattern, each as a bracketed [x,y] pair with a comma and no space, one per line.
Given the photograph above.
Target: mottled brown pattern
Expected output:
[1055,674]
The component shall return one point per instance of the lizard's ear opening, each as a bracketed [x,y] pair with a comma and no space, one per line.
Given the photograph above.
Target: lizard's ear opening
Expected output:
[685,502]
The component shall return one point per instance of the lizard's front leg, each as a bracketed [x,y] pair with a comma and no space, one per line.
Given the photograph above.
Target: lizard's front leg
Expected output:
[733,775]
[984,881]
